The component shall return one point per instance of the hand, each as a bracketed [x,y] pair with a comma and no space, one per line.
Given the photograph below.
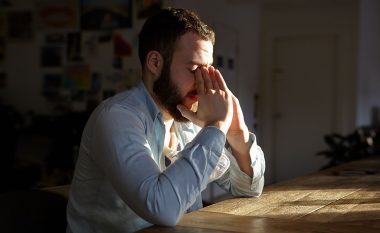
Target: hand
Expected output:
[238,138]
[215,107]
[238,132]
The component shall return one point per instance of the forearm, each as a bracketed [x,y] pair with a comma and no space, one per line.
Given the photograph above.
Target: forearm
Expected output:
[240,145]
[162,197]
[237,181]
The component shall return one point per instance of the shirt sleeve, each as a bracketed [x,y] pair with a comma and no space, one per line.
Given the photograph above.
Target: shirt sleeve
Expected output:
[237,182]
[122,151]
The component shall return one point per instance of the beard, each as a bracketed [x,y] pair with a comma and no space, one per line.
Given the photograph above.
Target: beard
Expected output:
[168,94]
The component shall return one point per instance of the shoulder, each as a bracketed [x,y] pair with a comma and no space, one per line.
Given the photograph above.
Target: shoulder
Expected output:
[124,108]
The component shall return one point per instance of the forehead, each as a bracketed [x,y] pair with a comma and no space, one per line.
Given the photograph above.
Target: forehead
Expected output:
[191,48]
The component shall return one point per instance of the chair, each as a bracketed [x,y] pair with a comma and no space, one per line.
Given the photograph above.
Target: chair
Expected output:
[32,211]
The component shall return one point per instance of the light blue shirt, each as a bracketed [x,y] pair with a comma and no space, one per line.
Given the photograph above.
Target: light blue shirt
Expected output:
[121,183]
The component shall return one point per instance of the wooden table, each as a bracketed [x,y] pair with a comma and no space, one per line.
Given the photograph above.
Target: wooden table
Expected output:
[341,199]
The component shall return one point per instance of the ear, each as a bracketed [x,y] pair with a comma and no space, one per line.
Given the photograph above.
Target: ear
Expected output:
[154,63]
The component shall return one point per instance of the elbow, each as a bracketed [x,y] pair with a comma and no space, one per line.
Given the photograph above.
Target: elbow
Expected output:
[256,193]
[255,189]
[258,188]
[168,222]
[252,193]
[161,207]
[167,219]
[163,212]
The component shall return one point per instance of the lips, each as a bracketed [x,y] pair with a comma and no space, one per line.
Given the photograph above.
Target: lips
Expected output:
[193,97]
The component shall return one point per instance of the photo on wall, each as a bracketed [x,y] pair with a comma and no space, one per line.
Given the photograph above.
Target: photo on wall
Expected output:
[74,46]
[2,50]
[122,48]
[20,25]
[79,77]
[55,38]
[5,3]
[51,56]
[52,85]
[3,24]
[147,8]
[3,80]
[57,14]
[101,15]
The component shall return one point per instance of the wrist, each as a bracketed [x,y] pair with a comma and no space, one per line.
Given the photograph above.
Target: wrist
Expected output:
[239,140]
[240,136]
[220,125]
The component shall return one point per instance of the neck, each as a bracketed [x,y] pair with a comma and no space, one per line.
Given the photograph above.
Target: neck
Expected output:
[168,121]
[168,137]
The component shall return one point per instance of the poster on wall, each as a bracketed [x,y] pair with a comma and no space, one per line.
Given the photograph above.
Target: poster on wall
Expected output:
[146,9]
[122,48]
[20,25]
[57,14]
[96,82]
[100,15]
[3,24]
[3,80]
[5,3]
[55,38]
[52,85]
[79,77]
[2,50]
[90,44]
[74,46]
[51,56]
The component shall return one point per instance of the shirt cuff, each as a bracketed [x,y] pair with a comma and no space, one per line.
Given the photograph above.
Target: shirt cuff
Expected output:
[257,164]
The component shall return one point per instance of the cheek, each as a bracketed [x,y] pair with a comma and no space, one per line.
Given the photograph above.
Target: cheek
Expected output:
[189,83]
[185,84]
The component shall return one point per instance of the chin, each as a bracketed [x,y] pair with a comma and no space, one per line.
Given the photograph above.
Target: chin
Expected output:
[191,104]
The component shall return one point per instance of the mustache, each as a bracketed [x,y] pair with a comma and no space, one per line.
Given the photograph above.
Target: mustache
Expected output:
[193,92]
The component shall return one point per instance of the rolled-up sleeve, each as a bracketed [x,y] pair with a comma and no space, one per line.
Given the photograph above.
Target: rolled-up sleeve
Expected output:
[239,183]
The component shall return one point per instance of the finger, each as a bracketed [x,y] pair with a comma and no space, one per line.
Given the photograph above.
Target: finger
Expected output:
[206,78]
[213,79]
[211,71]
[215,83]
[191,116]
[199,82]
[237,105]
[220,80]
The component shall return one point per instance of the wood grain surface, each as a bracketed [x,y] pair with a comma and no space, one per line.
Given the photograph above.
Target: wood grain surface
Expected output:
[340,199]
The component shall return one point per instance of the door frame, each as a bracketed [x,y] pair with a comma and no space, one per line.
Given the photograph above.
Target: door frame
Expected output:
[289,21]
[332,111]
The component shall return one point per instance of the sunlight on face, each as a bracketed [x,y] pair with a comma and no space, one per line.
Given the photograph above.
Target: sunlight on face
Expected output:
[176,85]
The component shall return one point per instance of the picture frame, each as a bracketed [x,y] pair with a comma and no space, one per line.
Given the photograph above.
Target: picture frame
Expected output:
[20,25]
[105,15]
[146,9]
[58,14]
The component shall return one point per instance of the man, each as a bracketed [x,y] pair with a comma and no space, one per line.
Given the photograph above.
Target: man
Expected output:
[148,153]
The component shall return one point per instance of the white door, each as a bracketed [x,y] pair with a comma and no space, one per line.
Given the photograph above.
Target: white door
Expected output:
[304,78]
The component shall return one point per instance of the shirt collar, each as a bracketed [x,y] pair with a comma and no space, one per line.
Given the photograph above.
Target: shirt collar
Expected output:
[153,109]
